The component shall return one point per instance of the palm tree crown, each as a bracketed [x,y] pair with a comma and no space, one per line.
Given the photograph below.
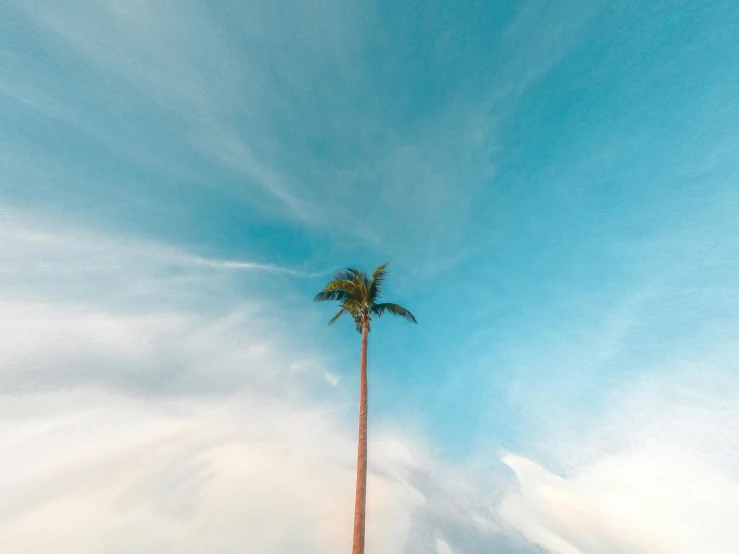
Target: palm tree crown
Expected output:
[357,293]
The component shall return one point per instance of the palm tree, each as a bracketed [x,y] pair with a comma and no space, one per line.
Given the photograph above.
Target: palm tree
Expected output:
[357,294]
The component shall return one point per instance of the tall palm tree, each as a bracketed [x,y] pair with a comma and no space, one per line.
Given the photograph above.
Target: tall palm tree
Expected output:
[358,296]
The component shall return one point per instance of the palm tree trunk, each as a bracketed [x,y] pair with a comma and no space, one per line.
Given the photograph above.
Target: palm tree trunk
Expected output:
[360,499]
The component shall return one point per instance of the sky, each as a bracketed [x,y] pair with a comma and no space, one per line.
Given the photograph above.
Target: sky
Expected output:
[554,186]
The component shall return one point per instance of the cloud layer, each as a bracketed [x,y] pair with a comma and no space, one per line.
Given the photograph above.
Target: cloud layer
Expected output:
[658,473]
[653,501]
[135,426]
[134,420]
[100,472]
[139,418]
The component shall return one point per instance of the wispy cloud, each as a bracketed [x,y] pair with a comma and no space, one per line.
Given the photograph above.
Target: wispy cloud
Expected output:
[105,469]
[232,264]
[37,251]
[393,181]
[80,307]
[246,437]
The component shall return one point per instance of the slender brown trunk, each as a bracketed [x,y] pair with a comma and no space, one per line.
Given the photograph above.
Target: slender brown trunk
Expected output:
[360,499]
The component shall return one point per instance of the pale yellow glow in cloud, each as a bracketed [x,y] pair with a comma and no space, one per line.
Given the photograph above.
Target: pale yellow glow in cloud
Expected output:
[90,472]
[652,501]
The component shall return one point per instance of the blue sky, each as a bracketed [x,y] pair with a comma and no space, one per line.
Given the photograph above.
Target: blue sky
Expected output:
[555,188]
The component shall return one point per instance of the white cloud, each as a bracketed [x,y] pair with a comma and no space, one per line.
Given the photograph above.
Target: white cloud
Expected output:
[133,423]
[44,260]
[149,426]
[81,307]
[442,547]
[657,473]
[653,501]
[102,472]
[331,378]
[233,264]
[140,422]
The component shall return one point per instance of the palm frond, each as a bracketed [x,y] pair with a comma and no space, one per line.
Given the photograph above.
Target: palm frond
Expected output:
[339,291]
[394,309]
[347,274]
[353,305]
[378,280]
[337,316]
[336,295]
[361,280]
[357,292]
[356,276]
[350,287]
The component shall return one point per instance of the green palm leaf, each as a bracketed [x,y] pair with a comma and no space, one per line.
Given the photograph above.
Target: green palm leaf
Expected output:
[337,316]
[387,307]
[335,295]
[357,294]
[350,287]
[378,280]
[347,274]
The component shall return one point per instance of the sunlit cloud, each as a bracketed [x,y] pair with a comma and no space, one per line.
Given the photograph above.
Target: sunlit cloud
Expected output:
[442,547]
[234,452]
[102,472]
[650,502]
[139,426]
[655,474]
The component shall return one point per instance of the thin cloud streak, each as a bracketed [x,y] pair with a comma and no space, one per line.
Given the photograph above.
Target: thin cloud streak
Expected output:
[232,264]
[235,110]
